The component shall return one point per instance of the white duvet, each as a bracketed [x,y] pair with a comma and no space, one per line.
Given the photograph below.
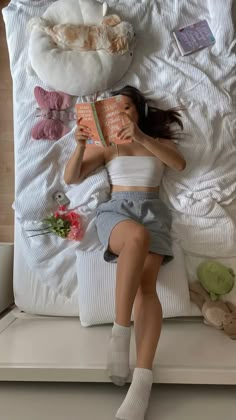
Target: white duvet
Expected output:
[204,83]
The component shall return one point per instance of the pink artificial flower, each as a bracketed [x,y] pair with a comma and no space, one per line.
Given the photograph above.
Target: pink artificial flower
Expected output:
[75,223]
[75,234]
[72,216]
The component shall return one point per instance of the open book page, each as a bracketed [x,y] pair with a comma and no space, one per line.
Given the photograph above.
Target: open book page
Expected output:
[108,111]
[87,112]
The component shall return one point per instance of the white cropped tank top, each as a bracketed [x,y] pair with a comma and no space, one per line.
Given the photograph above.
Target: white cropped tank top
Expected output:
[135,171]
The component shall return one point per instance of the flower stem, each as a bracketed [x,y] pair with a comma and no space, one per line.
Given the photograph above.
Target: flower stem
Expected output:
[38,234]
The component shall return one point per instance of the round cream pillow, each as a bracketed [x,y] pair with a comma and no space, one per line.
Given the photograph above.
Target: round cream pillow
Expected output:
[73,72]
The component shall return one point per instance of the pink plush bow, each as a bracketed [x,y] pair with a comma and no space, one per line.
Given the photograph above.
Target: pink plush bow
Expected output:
[53,109]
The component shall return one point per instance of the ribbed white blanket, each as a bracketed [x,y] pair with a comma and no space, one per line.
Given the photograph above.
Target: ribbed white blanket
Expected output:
[204,83]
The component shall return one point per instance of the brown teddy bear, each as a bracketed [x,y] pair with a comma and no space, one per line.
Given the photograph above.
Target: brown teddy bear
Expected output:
[218,314]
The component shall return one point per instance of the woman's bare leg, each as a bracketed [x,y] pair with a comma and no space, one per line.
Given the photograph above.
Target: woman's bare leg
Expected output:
[130,241]
[148,313]
[148,321]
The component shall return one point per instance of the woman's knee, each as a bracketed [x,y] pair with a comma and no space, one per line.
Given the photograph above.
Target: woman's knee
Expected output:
[129,233]
[139,236]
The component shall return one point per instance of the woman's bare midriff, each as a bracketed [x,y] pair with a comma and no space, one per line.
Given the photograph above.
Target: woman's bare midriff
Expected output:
[117,188]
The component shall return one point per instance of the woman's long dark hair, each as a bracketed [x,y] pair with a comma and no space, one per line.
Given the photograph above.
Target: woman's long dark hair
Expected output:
[153,121]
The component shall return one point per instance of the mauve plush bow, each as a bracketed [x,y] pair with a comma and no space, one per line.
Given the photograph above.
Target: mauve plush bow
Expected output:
[53,109]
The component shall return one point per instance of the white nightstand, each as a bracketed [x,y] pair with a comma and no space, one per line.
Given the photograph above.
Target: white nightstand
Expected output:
[6,275]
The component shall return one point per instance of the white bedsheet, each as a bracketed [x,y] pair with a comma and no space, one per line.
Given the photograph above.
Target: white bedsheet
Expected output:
[204,82]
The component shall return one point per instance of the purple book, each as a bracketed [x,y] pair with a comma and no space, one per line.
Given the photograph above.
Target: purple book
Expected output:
[194,37]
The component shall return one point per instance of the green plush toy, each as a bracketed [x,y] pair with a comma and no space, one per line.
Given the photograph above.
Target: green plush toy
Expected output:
[216,278]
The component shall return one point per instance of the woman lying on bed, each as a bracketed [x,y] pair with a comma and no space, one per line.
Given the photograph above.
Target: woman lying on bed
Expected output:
[134,227]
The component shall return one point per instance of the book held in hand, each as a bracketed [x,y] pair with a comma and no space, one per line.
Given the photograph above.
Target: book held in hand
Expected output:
[194,37]
[103,119]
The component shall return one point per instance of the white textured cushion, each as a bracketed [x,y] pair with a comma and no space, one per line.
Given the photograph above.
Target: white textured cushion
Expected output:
[52,257]
[73,72]
[97,288]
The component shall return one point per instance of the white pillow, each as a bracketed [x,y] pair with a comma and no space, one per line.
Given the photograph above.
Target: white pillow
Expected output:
[97,288]
[73,72]
[51,257]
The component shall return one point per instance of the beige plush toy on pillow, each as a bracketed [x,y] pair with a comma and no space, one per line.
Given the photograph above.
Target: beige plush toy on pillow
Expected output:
[74,63]
[113,36]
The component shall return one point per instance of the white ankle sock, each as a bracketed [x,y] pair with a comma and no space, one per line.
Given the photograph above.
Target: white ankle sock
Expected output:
[136,401]
[118,354]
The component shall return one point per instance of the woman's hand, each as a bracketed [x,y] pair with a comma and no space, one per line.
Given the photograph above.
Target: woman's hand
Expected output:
[82,134]
[130,131]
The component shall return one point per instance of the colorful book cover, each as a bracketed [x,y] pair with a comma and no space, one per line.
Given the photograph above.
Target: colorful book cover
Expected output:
[194,37]
[104,120]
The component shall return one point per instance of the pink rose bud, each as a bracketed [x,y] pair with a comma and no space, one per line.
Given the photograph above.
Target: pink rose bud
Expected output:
[62,208]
